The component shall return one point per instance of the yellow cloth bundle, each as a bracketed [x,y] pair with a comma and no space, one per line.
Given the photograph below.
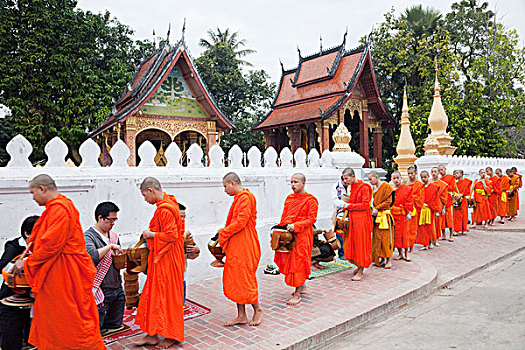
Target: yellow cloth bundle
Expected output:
[425,217]
[482,192]
[382,219]
[504,197]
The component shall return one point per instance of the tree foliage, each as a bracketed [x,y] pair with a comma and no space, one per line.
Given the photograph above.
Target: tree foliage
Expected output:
[60,68]
[244,98]
[480,72]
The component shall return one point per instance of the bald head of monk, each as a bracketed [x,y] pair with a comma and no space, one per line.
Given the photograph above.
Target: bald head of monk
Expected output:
[373,177]
[232,184]
[489,172]
[458,174]
[43,189]
[425,178]
[442,170]
[499,172]
[298,181]
[348,176]
[412,174]
[435,173]
[396,179]
[151,189]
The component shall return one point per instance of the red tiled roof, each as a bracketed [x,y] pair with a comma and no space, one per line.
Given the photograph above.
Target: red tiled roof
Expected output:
[298,113]
[346,69]
[316,68]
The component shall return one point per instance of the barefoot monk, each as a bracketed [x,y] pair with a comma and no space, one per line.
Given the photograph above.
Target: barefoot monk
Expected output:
[160,310]
[432,207]
[419,199]
[240,243]
[461,194]
[61,275]
[402,213]
[299,216]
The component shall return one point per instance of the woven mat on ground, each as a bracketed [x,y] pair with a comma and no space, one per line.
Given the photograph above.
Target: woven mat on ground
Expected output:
[332,267]
[131,329]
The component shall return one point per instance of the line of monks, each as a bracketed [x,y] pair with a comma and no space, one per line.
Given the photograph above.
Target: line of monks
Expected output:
[378,218]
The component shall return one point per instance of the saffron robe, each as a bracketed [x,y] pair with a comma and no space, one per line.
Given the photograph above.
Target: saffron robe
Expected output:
[301,211]
[384,228]
[358,237]
[515,184]
[432,204]
[160,309]
[493,198]
[447,221]
[461,215]
[404,204]
[481,211]
[503,198]
[443,198]
[240,243]
[517,192]
[419,199]
[61,275]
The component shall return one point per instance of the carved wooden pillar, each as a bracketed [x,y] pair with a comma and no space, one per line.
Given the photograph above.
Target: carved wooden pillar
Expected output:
[211,134]
[294,134]
[363,136]
[130,134]
[378,146]
[325,137]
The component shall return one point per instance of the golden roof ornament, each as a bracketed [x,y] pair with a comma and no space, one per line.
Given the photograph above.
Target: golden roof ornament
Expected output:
[342,139]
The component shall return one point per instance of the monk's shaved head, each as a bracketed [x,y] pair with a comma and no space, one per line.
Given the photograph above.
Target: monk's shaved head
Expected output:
[43,180]
[349,172]
[413,168]
[396,173]
[373,173]
[424,172]
[300,176]
[150,182]
[231,176]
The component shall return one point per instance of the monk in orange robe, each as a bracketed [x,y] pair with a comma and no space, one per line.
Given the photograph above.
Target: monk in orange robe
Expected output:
[383,231]
[160,309]
[515,172]
[419,199]
[515,184]
[432,208]
[443,197]
[299,216]
[481,190]
[495,193]
[61,275]
[240,243]
[503,198]
[447,221]
[461,193]
[357,240]
[402,213]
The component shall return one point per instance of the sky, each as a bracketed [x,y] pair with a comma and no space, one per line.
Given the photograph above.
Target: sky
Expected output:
[276,28]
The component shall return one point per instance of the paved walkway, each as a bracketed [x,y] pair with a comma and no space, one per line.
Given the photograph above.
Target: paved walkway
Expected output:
[333,304]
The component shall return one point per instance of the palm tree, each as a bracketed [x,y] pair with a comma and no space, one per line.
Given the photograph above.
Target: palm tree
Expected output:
[230,39]
[422,21]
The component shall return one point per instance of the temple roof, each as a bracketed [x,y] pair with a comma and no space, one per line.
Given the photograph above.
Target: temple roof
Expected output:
[322,83]
[150,75]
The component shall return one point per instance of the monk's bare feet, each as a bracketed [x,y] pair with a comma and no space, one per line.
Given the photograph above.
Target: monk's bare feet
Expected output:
[436,244]
[257,317]
[237,320]
[407,259]
[146,340]
[165,343]
[398,257]
[315,268]
[423,248]
[296,299]
[356,270]
[388,264]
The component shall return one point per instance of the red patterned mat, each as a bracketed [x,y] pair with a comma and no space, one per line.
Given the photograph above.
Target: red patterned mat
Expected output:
[131,329]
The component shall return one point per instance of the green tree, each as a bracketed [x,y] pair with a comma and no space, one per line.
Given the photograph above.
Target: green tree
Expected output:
[60,67]
[230,39]
[244,98]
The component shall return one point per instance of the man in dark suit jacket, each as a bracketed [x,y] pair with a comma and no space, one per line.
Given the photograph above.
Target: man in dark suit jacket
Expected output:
[14,321]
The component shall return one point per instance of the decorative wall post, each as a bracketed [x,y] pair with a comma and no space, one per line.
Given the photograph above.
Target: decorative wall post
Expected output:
[211,135]
[363,136]
[378,146]
[325,137]
[405,147]
[130,134]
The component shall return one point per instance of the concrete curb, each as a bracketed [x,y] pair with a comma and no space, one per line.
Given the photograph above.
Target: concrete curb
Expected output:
[422,285]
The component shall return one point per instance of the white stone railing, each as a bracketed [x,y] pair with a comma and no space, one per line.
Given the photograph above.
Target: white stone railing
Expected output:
[197,186]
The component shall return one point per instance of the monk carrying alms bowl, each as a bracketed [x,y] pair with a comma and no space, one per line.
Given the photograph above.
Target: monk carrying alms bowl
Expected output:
[216,250]
[282,240]
[19,285]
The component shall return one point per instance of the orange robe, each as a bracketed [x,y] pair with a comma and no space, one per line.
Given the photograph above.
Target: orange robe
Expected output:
[240,243]
[461,215]
[403,205]
[61,275]
[301,211]
[517,193]
[160,309]
[426,230]
[481,210]
[443,198]
[493,198]
[358,238]
[447,221]
[515,184]
[503,198]
[383,238]
[419,199]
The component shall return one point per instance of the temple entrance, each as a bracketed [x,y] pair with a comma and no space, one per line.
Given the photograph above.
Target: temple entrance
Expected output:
[352,122]
[160,139]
